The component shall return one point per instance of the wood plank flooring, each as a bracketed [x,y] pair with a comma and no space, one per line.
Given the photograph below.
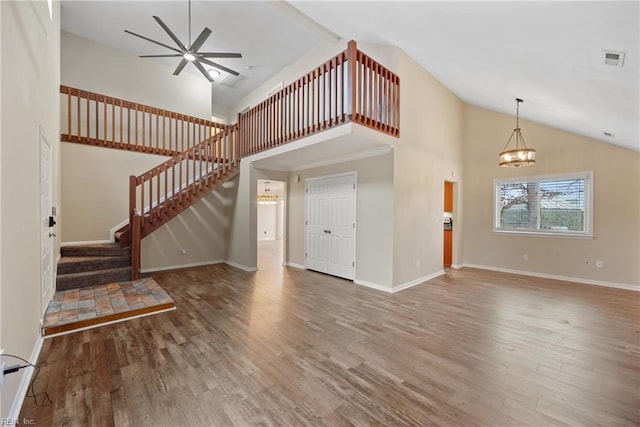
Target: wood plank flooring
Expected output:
[287,347]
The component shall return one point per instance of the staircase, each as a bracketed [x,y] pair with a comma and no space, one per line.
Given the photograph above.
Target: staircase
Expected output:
[350,87]
[91,265]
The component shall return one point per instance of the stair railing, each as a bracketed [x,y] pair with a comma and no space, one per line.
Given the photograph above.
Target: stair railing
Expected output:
[95,119]
[168,189]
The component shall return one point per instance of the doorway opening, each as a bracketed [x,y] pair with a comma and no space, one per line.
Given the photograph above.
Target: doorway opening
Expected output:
[270,223]
[447,219]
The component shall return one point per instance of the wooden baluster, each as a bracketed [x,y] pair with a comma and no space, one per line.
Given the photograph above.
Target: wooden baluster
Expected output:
[104,116]
[95,97]
[166,189]
[113,122]
[158,208]
[157,145]
[133,183]
[69,98]
[151,197]
[352,54]
[136,128]
[142,196]
[88,118]
[121,124]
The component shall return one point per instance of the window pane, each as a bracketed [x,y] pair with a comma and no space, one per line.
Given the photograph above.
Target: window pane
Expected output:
[562,205]
[518,205]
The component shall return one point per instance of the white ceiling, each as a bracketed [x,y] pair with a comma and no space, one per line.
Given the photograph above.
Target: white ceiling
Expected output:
[487,53]
[268,36]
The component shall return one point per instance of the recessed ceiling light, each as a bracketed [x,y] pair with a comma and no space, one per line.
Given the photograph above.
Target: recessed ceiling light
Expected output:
[189,56]
[613,58]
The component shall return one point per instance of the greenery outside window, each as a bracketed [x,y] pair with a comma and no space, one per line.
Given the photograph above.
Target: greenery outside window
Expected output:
[551,205]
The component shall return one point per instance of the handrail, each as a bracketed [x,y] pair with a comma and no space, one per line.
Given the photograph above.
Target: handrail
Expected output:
[101,120]
[183,176]
[351,86]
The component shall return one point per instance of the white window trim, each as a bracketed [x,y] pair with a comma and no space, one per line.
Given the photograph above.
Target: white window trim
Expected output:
[588,206]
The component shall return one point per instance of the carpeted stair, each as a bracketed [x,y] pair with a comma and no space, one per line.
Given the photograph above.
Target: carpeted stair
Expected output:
[91,265]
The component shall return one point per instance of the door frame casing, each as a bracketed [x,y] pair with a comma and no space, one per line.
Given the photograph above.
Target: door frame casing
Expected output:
[354,174]
[46,294]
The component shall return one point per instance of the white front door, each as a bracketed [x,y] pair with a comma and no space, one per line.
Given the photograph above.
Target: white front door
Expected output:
[46,257]
[331,222]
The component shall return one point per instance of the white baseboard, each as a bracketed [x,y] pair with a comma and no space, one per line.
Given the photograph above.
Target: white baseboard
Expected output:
[556,277]
[18,400]
[294,265]
[240,266]
[86,242]
[417,281]
[401,287]
[175,267]
[112,232]
[372,285]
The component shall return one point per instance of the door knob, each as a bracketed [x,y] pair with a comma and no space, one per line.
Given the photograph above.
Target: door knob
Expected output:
[327,231]
[52,234]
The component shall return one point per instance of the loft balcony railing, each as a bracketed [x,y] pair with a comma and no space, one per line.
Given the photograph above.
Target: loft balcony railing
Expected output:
[95,119]
[350,87]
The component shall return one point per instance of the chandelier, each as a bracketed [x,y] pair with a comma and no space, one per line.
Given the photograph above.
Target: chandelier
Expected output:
[267,198]
[521,155]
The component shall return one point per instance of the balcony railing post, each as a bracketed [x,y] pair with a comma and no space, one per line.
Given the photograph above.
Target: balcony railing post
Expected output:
[352,58]
[133,182]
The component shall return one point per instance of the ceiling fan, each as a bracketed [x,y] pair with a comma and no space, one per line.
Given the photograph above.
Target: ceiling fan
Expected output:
[190,52]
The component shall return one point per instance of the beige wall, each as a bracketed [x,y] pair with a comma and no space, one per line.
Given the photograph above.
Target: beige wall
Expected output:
[95,188]
[29,51]
[98,68]
[242,211]
[616,202]
[428,152]
[195,237]
[374,216]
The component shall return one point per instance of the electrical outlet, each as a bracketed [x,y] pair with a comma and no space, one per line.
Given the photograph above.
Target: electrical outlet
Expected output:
[417,262]
[599,263]
[1,350]
[525,257]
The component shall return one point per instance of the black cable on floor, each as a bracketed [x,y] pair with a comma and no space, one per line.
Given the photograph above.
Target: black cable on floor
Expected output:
[31,390]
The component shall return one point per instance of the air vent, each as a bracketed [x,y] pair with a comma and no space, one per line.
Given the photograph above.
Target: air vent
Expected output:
[612,58]
[607,134]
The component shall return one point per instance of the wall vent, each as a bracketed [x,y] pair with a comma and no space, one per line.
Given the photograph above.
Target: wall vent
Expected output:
[612,58]
[607,134]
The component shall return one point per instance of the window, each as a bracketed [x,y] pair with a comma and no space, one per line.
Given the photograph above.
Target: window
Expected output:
[545,205]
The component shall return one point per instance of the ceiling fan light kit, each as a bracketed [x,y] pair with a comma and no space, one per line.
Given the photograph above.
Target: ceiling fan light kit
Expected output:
[191,53]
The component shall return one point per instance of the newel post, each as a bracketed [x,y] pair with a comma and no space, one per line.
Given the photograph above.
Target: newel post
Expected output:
[352,58]
[133,182]
[135,247]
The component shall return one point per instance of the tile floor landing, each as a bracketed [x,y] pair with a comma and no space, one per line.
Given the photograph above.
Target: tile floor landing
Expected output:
[91,307]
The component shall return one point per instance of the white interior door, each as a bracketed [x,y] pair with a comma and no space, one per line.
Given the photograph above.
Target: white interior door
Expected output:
[331,222]
[46,232]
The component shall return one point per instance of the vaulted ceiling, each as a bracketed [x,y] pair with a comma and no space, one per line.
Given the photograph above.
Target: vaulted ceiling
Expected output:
[487,53]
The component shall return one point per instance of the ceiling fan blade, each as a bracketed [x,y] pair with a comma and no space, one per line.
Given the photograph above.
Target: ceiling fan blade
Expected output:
[175,55]
[219,55]
[152,41]
[180,66]
[204,35]
[222,67]
[168,31]
[202,70]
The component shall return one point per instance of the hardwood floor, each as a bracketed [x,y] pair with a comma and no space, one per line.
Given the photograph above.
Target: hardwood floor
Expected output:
[289,347]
